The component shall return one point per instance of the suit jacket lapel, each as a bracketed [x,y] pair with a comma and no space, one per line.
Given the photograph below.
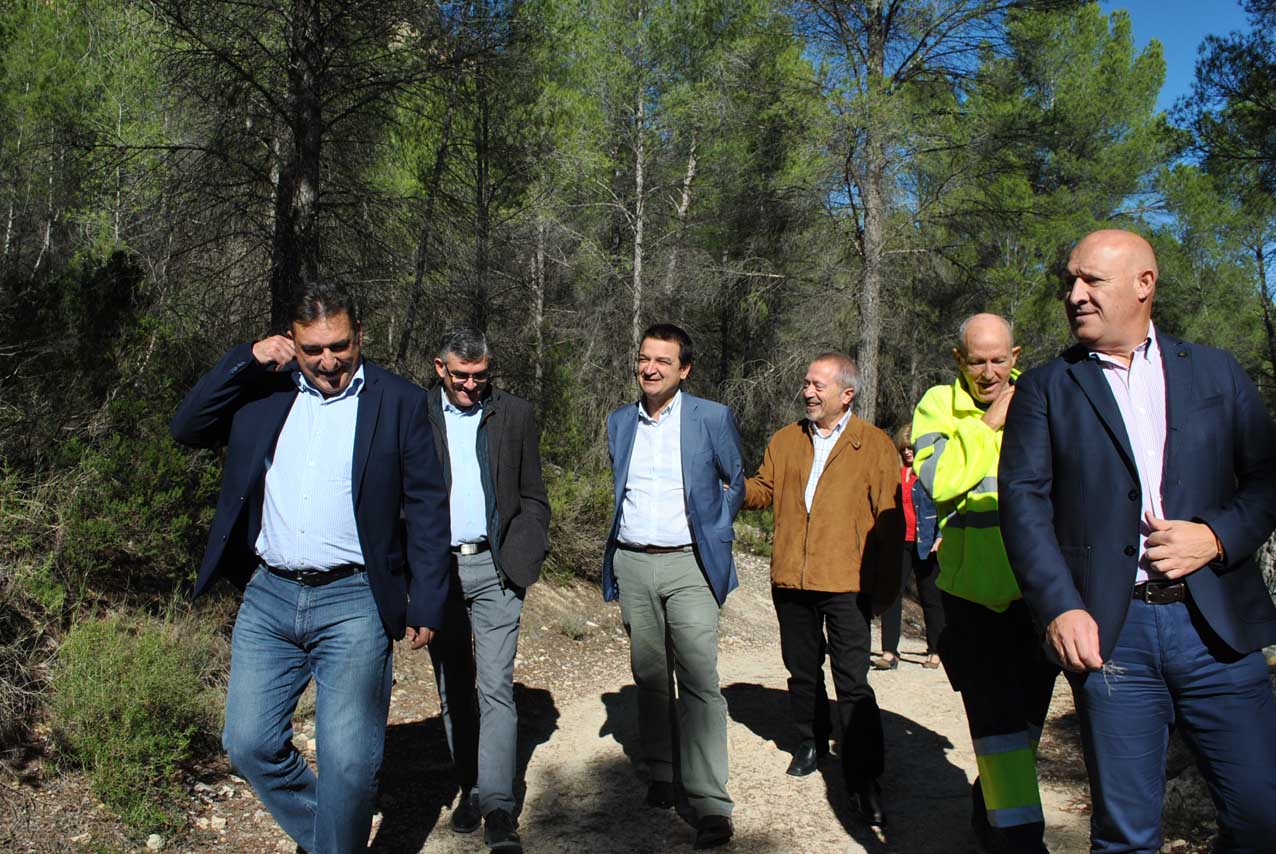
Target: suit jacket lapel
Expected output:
[1177,364]
[491,427]
[364,429]
[688,436]
[273,423]
[626,429]
[1089,375]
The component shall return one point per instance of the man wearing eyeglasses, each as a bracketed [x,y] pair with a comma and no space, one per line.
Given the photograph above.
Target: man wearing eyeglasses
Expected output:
[487,442]
[679,483]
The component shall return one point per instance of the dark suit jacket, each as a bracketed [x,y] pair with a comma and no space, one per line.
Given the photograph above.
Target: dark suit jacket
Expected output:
[710,457]
[242,405]
[508,448]
[1070,500]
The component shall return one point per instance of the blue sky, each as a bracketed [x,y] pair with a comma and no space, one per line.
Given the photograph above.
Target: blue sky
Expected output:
[1179,25]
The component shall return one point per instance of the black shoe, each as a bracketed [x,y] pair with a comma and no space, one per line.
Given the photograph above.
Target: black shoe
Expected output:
[713,830]
[499,833]
[466,818]
[805,759]
[661,794]
[869,807]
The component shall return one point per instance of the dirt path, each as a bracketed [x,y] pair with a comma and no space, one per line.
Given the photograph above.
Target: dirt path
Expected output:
[582,793]
[577,732]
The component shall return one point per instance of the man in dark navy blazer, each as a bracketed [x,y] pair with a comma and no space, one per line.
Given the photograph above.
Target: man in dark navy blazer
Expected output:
[679,482]
[333,517]
[1138,478]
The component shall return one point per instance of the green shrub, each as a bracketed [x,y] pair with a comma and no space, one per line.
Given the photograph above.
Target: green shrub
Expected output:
[139,510]
[132,702]
[580,505]
[755,530]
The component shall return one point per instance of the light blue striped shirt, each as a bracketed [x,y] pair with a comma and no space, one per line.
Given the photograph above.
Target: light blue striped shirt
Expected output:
[307,518]
[465,500]
[823,445]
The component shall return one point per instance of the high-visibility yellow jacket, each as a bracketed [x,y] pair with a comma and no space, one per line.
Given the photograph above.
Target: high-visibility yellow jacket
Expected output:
[955,455]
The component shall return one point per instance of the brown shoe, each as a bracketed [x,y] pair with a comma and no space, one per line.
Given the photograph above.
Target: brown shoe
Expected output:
[886,661]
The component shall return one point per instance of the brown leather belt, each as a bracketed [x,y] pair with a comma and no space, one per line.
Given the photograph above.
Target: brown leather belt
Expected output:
[316,577]
[1160,592]
[652,550]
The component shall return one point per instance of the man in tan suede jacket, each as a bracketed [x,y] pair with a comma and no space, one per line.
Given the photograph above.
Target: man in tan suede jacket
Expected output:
[833,480]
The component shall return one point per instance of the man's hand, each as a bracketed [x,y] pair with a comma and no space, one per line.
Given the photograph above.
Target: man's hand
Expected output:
[1177,548]
[1074,637]
[274,352]
[995,417]
[419,637]
[935,547]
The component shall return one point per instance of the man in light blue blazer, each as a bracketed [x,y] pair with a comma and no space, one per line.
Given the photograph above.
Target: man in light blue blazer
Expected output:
[679,482]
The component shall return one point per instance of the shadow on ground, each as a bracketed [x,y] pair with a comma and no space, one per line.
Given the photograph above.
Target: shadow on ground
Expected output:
[926,796]
[417,781]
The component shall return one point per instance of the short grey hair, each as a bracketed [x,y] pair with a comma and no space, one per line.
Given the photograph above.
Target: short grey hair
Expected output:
[848,373]
[466,342]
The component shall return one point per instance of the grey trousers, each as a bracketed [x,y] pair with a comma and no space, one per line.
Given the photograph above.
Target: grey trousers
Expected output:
[667,597]
[473,657]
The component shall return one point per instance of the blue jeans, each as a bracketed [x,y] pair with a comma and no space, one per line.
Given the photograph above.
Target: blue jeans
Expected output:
[476,645]
[1168,669]
[285,634]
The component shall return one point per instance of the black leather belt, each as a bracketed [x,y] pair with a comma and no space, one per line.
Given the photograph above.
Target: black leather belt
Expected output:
[471,548]
[316,577]
[652,550]
[1160,592]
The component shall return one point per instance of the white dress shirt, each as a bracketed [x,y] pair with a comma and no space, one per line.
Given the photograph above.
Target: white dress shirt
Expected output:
[654,509]
[1140,395]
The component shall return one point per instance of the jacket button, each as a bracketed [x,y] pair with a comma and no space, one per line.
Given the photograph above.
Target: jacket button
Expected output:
[1129,551]
[1134,495]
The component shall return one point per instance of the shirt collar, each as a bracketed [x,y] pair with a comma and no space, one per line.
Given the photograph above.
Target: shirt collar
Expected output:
[356,385]
[1148,349]
[670,407]
[837,428]
[448,406]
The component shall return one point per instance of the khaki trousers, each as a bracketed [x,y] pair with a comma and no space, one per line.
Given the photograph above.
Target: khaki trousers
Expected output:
[672,620]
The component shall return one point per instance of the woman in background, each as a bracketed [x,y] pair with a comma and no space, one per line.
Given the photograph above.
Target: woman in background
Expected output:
[921,542]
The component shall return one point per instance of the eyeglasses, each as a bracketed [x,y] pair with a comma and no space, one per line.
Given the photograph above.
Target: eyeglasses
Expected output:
[462,377]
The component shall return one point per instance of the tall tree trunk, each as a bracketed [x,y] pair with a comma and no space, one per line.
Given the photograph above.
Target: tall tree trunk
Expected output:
[425,238]
[538,309]
[1265,296]
[874,197]
[684,203]
[482,200]
[294,252]
[639,213]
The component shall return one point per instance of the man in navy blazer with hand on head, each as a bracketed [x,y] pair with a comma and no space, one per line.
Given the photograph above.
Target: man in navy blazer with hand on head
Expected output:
[333,517]
[679,482]
[1138,478]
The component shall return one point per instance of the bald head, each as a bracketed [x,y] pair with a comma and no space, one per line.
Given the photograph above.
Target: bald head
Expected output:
[1111,281]
[986,355]
[985,327]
